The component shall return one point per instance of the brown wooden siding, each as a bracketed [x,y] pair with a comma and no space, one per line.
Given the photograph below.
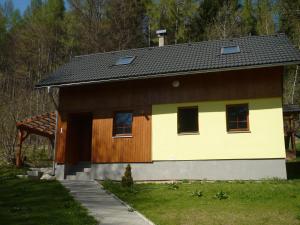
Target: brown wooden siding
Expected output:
[61,138]
[256,83]
[106,148]
[102,100]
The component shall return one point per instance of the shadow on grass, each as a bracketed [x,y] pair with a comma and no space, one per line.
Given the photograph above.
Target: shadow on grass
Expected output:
[31,202]
[293,170]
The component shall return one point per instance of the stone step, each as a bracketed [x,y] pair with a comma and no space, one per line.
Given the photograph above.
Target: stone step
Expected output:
[34,174]
[83,176]
[71,177]
[87,170]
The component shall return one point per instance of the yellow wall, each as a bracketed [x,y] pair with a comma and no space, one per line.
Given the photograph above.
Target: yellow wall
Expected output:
[265,139]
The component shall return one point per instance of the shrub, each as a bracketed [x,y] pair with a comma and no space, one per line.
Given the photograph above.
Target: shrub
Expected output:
[197,193]
[127,180]
[173,186]
[221,195]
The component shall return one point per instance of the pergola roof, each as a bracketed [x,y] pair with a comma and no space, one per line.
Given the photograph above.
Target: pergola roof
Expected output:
[291,108]
[43,125]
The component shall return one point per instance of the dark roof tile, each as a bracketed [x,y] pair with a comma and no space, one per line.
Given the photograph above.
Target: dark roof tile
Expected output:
[158,61]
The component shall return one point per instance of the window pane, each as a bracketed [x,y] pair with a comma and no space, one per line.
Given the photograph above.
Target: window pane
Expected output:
[124,60]
[187,120]
[230,50]
[232,125]
[237,117]
[243,125]
[123,123]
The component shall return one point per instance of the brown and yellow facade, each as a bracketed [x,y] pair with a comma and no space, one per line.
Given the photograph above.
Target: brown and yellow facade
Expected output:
[85,128]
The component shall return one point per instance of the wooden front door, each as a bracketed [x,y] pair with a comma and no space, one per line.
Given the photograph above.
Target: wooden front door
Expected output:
[79,138]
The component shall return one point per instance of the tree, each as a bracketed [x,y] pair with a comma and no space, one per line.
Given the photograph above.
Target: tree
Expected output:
[227,23]
[289,14]
[3,37]
[204,17]
[126,23]
[265,22]
[87,25]
[248,18]
[175,16]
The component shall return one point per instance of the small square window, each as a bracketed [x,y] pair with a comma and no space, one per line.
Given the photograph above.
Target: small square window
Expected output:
[187,120]
[237,117]
[230,50]
[122,124]
[124,60]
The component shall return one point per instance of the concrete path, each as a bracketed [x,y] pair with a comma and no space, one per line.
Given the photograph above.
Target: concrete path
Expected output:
[106,208]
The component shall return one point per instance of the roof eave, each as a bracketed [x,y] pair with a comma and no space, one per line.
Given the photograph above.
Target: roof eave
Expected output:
[185,73]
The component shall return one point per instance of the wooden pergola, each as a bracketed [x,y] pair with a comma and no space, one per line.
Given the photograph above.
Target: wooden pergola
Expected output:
[42,125]
[291,114]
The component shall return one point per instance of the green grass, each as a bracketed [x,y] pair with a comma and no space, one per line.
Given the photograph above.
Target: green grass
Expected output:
[265,203]
[35,202]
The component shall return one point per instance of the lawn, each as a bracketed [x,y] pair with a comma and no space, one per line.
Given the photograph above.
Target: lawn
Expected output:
[35,202]
[266,202]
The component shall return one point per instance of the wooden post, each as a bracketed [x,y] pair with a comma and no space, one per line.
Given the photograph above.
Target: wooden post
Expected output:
[21,136]
[293,140]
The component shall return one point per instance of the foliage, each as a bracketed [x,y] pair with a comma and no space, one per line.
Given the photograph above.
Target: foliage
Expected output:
[289,14]
[35,202]
[174,15]
[173,186]
[248,19]
[221,195]
[197,193]
[227,22]
[127,180]
[247,200]
[203,19]
[265,22]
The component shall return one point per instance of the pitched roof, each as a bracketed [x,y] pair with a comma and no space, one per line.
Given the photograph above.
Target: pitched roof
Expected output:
[255,51]
[291,108]
[43,125]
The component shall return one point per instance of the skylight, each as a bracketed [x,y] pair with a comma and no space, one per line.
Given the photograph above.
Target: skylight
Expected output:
[124,60]
[230,50]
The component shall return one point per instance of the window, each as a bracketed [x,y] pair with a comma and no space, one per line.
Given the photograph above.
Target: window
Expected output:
[237,117]
[230,50]
[124,60]
[187,120]
[122,124]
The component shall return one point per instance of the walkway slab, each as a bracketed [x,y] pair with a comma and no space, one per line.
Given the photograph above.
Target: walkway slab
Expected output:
[106,208]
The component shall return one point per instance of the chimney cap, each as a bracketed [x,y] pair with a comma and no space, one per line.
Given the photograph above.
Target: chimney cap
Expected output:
[161,32]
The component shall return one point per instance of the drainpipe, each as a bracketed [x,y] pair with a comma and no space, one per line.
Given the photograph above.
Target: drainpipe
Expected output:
[56,119]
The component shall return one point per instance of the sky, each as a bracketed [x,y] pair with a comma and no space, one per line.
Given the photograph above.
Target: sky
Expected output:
[19,4]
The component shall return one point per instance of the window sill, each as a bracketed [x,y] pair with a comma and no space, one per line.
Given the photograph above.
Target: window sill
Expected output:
[122,136]
[238,131]
[188,133]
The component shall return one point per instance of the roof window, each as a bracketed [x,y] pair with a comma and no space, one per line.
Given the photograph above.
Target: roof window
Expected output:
[125,60]
[230,50]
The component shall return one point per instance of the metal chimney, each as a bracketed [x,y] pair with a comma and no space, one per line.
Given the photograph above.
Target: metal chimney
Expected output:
[161,37]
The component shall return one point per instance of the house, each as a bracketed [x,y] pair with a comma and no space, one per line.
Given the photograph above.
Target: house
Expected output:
[208,110]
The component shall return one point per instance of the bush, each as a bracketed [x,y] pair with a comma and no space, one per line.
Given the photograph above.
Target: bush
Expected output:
[221,195]
[197,193]
[127,180]
[173,186]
